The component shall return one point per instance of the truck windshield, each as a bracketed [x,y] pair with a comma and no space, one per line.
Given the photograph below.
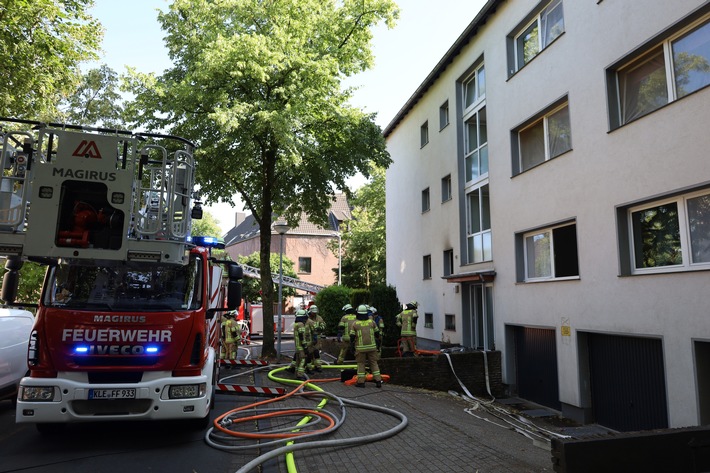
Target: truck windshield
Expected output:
[150,287]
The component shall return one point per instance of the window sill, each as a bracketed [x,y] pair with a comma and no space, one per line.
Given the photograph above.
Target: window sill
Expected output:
[537,281]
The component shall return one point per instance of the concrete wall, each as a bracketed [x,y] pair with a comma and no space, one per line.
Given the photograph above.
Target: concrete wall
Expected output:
[435,373]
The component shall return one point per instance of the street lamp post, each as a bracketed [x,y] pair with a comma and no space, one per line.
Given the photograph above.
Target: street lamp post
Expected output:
[281,228]
[340,258]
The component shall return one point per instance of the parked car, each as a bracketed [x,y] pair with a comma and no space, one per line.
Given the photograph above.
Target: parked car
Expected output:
[15,328]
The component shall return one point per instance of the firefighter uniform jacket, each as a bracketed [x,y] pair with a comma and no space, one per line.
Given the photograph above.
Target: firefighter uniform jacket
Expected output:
[346,323]
[407,319]
[365,334]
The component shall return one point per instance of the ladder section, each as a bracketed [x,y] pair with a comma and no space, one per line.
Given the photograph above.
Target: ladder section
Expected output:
[89,193]
[252,272]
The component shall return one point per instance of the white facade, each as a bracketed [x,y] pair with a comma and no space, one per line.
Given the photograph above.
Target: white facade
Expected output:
[612,167]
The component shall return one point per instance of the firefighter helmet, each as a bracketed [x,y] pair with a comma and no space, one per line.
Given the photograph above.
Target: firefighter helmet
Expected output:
[347,307]
[301,315]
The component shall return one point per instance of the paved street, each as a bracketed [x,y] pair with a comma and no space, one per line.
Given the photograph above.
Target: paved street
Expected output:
[440,435]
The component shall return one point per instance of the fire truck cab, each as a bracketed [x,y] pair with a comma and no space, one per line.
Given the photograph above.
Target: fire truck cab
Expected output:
[125,327]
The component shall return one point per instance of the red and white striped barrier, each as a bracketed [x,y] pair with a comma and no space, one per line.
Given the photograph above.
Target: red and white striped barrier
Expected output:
[243,362]
[237,389]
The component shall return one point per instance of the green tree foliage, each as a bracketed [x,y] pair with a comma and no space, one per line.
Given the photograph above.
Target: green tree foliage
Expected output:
[657,231]
[252,288]
[364,250]
[42,43]
[208,225]
[330,302]
[257,85]
[96,102]
[31,279]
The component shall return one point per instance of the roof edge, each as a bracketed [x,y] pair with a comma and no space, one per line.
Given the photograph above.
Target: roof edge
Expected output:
[487,10]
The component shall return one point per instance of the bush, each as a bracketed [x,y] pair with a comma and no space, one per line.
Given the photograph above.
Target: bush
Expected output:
[359,297]
[384,299]
[330,302]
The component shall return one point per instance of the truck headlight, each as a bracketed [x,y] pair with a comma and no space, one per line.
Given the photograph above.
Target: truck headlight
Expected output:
[186,391]
[37,393]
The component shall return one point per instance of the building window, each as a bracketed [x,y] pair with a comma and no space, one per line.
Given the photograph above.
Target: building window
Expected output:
[448,262]
[424,134]
[551,253]
[474,87]
[444,115]
[671,235]
[428,320]
[476,146]
[450,322]
[537,34]
[545,138]
[478,225]
[426,266]
[426,203]
[304,264]
[446,188]
[646,81]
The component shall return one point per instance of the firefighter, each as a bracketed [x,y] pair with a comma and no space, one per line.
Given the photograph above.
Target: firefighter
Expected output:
[230,337]
[298,365]
[407,320]
[365,342]
[316,326]
[380,322]
[346,322]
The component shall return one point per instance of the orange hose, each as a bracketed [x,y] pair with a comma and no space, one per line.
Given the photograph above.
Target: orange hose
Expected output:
[309,412]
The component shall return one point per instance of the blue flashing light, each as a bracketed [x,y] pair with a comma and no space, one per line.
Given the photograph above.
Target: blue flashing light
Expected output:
[151,349]
[81,349]
[208,241]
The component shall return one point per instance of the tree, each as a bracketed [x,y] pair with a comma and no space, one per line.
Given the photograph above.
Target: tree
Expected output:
[96,102]
[42,43]
[364,254]
[207,226]
[257,86]
[252,288]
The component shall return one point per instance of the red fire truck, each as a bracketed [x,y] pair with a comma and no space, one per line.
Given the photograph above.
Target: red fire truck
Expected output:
[125,326]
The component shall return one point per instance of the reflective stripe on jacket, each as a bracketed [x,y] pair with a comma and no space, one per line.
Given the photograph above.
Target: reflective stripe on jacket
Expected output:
[364,332]
[346,323]
[407,320]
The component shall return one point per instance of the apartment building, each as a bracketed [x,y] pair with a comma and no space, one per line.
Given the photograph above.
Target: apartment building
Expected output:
[560,152]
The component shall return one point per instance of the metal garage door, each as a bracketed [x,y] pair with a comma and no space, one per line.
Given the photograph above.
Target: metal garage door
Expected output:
[536,363]
[627,382]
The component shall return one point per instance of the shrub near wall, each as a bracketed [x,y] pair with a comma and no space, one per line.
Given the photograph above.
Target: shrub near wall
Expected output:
[330,302]
[384,299]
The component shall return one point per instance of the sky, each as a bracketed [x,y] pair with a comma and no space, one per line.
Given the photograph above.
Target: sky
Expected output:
[404,55]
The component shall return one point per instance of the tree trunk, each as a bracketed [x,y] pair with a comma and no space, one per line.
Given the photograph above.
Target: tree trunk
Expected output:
[267,287]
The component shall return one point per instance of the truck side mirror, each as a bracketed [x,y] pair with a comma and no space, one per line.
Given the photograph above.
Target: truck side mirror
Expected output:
[10,284]
[11,280]
[234,294]
[235,272]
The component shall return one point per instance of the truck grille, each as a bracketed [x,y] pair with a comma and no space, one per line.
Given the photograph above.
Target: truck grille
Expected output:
[128,377]
[111,407]
[115,361]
